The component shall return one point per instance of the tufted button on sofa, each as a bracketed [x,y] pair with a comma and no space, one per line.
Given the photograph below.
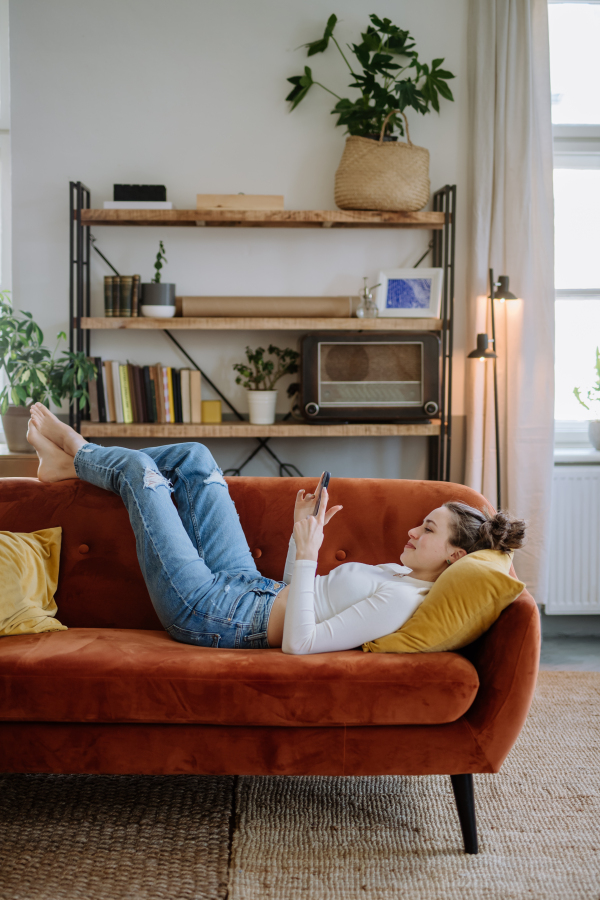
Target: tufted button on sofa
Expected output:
[114,694]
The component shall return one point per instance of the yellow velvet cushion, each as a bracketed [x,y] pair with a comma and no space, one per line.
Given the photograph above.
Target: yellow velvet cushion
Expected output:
[28,581]
[463,603]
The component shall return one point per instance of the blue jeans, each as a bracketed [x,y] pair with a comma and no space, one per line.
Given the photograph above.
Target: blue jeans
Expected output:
[194,556]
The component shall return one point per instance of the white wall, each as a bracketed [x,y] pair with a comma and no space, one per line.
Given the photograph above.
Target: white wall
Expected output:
[190,94]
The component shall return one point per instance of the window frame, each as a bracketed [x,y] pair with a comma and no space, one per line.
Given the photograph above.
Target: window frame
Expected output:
[575,147]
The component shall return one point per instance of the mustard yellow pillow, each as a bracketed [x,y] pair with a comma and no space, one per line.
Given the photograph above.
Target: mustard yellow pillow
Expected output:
[463,603]
[28,581]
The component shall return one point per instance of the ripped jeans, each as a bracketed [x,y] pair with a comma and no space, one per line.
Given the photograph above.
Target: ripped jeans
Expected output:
[194,556]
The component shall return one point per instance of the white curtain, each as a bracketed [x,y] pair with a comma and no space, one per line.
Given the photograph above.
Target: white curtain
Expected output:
[511,218]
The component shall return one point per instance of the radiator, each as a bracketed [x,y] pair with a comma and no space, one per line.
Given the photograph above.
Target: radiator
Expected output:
[575,541]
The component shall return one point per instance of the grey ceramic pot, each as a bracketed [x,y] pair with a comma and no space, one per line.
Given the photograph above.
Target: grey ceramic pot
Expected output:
[158,294]
[14,422]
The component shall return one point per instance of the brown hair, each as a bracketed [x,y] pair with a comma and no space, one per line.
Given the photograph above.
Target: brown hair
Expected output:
[472,529]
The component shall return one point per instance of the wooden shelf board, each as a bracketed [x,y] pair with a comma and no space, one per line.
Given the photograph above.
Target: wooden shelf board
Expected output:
[289,218]
[244,429]
[247,323]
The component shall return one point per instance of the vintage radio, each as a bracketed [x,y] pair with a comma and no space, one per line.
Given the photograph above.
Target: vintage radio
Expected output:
[370,377]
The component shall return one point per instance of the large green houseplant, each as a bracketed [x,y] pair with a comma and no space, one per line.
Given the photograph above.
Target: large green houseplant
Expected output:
[387,79]
[33,373]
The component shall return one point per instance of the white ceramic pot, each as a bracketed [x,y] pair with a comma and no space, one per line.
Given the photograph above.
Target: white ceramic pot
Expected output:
[262,407]
[158,312]
[594,433]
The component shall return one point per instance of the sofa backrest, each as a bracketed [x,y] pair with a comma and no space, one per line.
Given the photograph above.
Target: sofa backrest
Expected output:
[100,581]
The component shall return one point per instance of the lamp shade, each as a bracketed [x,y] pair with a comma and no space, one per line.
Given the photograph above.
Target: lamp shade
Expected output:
[502,292]
[482,351]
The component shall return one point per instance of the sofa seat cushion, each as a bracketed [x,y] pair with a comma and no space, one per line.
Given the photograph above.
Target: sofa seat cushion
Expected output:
[129,675]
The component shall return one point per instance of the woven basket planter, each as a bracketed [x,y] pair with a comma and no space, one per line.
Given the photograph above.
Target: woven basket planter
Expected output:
[382,175]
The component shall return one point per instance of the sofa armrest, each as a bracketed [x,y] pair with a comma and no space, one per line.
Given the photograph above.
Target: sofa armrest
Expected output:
[507,661]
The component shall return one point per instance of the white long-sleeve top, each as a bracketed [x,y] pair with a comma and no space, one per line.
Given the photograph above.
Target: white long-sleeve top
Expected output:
[355,603]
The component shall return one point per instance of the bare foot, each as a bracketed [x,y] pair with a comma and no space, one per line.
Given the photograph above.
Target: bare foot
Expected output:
[55,464]
[56,431]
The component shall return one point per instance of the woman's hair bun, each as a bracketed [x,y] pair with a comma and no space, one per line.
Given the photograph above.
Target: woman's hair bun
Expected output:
[474,529]
[501,532]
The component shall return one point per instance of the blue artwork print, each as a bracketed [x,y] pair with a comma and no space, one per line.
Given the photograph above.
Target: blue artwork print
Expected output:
[408,293]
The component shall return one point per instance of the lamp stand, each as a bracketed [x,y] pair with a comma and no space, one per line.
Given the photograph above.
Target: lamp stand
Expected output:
[497,424]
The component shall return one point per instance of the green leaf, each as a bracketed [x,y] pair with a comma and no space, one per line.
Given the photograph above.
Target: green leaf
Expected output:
[444,90]
[371,41]
[321,45]
[302,83]
[362,54]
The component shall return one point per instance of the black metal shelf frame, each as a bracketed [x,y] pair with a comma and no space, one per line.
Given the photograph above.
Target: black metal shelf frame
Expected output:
[442,247]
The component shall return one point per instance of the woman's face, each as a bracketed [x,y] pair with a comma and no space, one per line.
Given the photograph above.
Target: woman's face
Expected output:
[428,547]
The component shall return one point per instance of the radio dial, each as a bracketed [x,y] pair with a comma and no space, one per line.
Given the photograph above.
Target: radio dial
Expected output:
[430,408]
[311,409]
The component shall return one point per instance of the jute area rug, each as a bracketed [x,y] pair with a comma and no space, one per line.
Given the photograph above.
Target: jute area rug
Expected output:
[66,837]
[351,838]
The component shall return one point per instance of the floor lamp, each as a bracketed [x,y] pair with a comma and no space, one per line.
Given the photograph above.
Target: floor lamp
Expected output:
[498,291]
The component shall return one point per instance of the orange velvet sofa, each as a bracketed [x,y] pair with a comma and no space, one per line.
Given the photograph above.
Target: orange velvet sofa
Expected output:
[115,694]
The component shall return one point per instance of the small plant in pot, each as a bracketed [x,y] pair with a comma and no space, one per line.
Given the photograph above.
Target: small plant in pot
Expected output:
[34,374]
[158,298]
[592,405]
[259,375]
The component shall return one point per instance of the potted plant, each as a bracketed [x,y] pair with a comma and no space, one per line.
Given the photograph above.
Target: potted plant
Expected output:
[259,375]
[389,79]
[34,374]
[158,298]
[593,405]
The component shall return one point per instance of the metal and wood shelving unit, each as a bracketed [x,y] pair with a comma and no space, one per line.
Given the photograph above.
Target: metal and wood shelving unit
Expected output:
[441,221]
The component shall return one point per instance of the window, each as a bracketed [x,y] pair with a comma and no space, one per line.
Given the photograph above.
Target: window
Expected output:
[574,38]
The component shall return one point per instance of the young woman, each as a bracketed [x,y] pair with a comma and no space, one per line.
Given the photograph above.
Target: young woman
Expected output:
[197,565]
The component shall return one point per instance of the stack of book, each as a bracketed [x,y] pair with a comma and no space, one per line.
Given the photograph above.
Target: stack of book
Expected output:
[121,295]
[126,393]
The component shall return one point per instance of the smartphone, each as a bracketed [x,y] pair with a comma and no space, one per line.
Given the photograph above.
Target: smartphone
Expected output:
[324,483]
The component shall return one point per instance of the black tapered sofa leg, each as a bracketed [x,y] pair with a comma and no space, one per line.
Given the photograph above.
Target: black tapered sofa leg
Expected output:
[462,785]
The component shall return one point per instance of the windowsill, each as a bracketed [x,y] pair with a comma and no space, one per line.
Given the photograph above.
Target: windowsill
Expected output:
[572,456]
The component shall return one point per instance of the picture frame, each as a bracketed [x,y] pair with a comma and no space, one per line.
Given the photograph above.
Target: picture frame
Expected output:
[410,293]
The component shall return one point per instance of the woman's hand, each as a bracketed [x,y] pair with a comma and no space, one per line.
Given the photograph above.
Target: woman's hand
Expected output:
[305,504]
[308,532]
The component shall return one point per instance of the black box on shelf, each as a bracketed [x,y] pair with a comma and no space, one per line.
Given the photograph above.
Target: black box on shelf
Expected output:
[140,192]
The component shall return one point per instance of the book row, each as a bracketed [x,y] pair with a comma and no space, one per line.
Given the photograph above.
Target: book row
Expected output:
[121,295]
[126,393]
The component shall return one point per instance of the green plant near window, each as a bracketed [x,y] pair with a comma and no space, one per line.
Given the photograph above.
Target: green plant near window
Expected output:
[593,395]
[34,373]
[160,259]
[260,373]
[389,78]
